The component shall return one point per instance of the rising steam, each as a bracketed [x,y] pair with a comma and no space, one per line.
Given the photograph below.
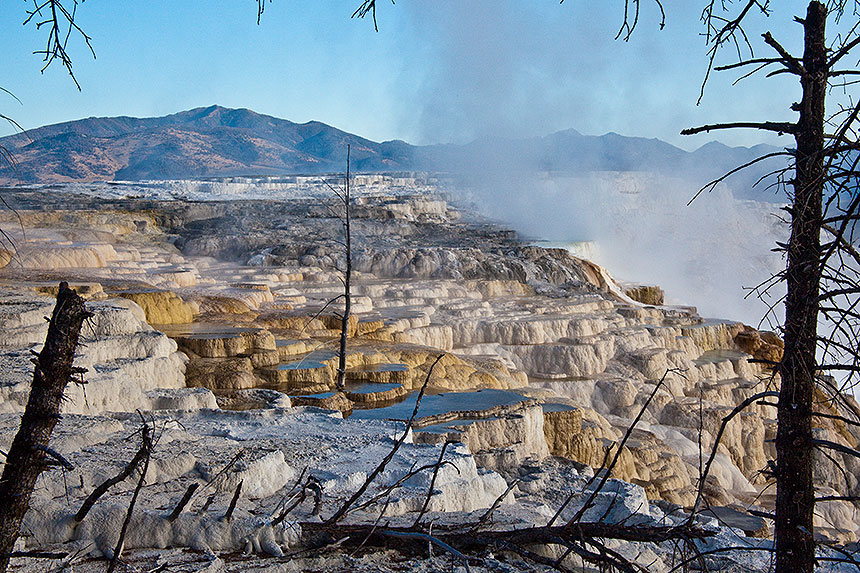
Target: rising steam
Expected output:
[708,254]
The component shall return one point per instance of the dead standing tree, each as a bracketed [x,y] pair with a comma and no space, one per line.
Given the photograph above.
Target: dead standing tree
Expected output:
[347,278]
[821,280]
[30,449]
[343,196]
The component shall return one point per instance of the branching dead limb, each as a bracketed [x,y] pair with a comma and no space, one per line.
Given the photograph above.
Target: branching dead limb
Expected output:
[60,23]
[711,185]
[365,8]
[385,493]
[146,438]
[310,485]
[430,487]
[484,518]
[578,515]
[57,457]
[776,127]
[139,459]
[284,508]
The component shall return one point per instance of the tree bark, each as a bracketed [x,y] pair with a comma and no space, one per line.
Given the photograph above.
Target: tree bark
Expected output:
[26,458]
[795,545]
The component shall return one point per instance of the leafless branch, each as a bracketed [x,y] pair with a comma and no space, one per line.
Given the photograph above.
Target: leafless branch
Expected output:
[487,514]
[578,515]
[60,22]
[712,184]
[726,419]
[720,30]
[261,7]
[430,488]
[791,63]
[139,458]
[147,447]
[776,127]
[842,52]
[837,447]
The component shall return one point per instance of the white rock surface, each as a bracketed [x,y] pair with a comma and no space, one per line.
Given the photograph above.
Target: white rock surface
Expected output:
[124,356]
[267,448]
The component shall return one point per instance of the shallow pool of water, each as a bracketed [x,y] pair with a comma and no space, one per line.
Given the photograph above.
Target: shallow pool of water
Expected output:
[435,404]
[384,367]
[557,408]
[370,387]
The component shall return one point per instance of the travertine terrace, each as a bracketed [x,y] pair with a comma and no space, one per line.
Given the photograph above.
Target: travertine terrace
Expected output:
[211,313]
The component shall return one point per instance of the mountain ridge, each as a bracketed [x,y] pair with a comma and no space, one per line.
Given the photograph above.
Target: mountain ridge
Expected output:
[215,141]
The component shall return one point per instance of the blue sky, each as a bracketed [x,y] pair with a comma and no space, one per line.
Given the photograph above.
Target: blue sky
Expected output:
[440,71]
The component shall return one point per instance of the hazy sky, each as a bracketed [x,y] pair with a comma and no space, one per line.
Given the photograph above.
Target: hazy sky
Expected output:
[437,71]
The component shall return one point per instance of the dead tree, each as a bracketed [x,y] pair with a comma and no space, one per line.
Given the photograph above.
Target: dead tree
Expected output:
[343,196]
[27,456]
[821,278]
[347,278]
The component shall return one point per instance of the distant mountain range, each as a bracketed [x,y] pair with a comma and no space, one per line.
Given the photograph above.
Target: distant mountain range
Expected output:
[219,142]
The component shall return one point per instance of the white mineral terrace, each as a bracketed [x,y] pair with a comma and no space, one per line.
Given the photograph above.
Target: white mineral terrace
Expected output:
[232,361]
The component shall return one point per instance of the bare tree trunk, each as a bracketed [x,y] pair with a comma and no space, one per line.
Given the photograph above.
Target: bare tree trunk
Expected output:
[795,546]
[347,299]
[26,458]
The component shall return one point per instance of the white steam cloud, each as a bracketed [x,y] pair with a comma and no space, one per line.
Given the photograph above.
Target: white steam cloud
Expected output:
[708,254]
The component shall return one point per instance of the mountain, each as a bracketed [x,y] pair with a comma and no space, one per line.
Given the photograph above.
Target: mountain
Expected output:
[217,142]
[204,142]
